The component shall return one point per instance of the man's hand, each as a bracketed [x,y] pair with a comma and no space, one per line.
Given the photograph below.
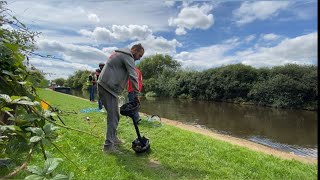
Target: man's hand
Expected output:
[136,97]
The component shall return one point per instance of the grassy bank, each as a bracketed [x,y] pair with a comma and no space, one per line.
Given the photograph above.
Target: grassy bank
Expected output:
[175,153]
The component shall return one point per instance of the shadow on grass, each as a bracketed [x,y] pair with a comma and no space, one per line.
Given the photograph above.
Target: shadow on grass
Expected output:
[143,166]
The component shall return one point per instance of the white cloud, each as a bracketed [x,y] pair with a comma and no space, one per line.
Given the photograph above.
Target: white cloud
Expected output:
[270,37]
[304,10]
[250,38]
[52,35]
[159,45]
[299,50]
[193,17]
[56,69]
[118,33]
[73,15]
[180,31]
[109,50]
[244,53]
[47,14]
[208,57]
[287,51]
[169,3]
[258,10]
[73,53]
[93,18]
[86,58]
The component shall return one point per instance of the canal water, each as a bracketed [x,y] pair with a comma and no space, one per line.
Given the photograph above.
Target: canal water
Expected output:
[293,131]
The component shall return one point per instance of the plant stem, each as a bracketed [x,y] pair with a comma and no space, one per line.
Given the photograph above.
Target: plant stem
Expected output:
[74,129]
[24,165]
[66,157]
[42,150]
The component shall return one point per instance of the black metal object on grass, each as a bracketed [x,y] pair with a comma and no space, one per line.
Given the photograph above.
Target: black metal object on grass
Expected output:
[140,144]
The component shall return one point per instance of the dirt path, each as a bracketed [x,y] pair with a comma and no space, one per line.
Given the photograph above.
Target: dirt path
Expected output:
[240,142]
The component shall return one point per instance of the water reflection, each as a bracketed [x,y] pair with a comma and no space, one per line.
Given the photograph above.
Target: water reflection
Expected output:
[82,93]
[295,130]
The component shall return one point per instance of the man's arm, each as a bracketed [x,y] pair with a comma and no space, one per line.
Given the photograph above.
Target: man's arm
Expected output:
[139,79]
[129,64]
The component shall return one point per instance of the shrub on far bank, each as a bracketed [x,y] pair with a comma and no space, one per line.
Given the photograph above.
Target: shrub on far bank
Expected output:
[151,94]
[184,96]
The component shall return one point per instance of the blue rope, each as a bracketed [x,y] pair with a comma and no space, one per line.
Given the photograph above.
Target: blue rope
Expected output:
[88,110]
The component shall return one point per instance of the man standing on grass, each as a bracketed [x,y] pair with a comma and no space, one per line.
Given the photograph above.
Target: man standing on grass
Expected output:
[98,71]
[112,80]
[91,85]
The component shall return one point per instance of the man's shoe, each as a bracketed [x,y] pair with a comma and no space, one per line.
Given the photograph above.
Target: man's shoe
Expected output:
[118,141]
[111,149]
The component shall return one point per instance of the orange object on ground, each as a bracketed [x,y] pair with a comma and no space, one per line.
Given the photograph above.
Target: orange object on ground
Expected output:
[44,105]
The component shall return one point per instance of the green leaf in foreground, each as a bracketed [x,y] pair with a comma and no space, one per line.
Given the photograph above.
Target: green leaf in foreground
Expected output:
[51,164]
[35,170]
[35,177]
[35,139]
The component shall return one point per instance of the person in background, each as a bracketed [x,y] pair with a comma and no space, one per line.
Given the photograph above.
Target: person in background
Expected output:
[113,78]
[98,71]
[91,87]
[101,65]
[131,95]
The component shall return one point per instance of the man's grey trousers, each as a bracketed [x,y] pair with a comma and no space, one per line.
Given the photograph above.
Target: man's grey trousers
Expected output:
[110,102]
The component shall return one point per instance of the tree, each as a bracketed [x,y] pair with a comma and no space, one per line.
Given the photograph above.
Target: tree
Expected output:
[227,83]
[78,79]
[153,66]
[157,70]
[289,86]
[59,81]
[38,79]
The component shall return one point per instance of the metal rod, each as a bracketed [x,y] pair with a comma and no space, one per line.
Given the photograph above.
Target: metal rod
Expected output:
[137,129]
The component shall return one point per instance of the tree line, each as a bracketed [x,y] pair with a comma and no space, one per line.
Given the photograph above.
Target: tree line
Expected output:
[286,86]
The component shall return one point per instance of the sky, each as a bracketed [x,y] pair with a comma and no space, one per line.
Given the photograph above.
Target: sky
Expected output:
[198,34]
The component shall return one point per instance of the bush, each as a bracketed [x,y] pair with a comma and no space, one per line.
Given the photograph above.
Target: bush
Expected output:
[184,96]
[25,128]
[151,94]
[279,91]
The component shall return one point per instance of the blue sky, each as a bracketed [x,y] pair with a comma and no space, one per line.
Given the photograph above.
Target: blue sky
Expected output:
[199,34]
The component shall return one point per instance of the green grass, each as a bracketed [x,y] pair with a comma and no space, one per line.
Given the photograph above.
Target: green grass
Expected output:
[175,153]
